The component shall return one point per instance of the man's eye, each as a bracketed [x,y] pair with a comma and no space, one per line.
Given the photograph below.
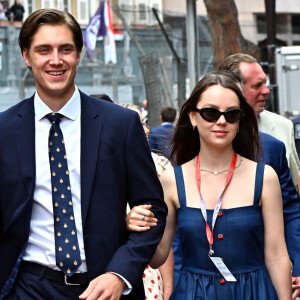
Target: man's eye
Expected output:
[43,50]
[66,50]
[258,85]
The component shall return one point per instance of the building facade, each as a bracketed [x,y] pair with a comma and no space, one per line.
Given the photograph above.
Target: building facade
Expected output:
[124,81]
[252,18]
[138,12]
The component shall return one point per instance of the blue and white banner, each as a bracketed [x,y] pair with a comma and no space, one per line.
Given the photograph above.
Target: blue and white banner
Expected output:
[93,30]
[101,25]
[110,55]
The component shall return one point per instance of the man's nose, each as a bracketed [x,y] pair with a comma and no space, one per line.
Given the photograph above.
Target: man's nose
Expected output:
[55,59]
[266,90]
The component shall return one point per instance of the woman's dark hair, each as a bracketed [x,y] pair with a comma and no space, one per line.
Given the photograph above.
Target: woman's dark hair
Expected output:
[102,96]
[49,17]
[186,142]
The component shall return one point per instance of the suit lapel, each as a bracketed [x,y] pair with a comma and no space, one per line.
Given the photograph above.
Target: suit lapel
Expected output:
[25,143]
[91,128]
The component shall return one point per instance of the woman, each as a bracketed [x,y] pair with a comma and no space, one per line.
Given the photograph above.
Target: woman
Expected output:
[228,207]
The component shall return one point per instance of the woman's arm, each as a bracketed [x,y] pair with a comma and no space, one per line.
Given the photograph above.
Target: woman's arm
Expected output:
[140,218]
[276,255]
[168,183]
[167,274]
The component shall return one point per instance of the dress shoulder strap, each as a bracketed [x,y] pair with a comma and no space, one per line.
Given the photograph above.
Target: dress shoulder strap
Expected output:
[259,178]
[180,186]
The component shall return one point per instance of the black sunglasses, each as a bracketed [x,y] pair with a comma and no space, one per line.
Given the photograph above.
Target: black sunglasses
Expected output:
[211,114]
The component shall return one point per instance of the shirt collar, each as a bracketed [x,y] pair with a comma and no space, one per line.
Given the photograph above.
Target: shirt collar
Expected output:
[70,110]
[258,121]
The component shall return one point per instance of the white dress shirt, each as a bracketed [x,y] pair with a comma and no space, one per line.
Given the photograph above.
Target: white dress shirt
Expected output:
[41,243]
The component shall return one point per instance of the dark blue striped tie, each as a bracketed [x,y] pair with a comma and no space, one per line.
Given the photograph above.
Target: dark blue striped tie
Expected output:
[66,243]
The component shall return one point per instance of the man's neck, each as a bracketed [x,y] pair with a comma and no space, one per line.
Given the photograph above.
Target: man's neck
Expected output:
[54,101]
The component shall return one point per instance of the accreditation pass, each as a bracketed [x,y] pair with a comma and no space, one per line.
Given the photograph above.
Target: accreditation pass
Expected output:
[218,262]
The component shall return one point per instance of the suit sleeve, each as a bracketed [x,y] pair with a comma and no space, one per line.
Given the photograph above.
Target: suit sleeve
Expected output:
[143,187]
[291,212]
[293,159]
[151,140]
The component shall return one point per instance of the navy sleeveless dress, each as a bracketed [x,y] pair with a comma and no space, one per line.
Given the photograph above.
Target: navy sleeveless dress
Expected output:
[238,239]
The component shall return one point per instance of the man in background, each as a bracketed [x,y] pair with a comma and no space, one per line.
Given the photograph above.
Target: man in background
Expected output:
[160,137]
[256,92]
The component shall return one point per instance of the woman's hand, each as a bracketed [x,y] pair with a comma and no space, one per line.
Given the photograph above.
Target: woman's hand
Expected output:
[140,218]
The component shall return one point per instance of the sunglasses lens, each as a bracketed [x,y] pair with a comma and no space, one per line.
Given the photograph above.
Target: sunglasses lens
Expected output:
[210,114]
[233,115]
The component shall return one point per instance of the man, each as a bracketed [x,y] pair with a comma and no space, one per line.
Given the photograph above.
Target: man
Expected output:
[254,80]
[77,245]
[160,137]
[256,92]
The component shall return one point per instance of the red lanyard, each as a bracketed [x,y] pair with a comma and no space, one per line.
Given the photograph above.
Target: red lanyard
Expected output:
[209,232]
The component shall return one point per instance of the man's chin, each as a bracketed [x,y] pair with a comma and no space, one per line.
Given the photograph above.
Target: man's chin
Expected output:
[259,109]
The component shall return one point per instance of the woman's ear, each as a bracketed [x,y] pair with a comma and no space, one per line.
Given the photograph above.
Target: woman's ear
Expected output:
[192,116]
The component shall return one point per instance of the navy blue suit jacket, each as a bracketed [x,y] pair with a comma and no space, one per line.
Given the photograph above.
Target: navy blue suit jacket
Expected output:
[273,155]
[159,139]
[115,164]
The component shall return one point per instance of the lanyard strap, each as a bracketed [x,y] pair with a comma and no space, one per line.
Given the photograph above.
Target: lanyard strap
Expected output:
[209,232]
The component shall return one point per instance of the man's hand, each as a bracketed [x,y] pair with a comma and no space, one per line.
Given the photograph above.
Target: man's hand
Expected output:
[296,287]
[104,287]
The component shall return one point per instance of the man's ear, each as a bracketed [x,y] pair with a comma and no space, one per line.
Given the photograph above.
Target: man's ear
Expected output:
[78,58]
[25,54]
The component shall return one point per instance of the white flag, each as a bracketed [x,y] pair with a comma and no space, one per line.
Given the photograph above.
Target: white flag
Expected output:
[110,55]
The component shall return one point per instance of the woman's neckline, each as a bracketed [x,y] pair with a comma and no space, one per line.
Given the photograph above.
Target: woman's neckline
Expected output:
[221,209]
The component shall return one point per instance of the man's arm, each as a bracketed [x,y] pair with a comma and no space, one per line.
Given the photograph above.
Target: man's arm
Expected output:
[142,187]
[274,154]
[293,159]
[291,213]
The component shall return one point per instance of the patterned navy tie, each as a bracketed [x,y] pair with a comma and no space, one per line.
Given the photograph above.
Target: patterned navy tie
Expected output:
[66,243]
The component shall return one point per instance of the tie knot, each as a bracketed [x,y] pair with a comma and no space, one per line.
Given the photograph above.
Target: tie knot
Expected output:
[55,117]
